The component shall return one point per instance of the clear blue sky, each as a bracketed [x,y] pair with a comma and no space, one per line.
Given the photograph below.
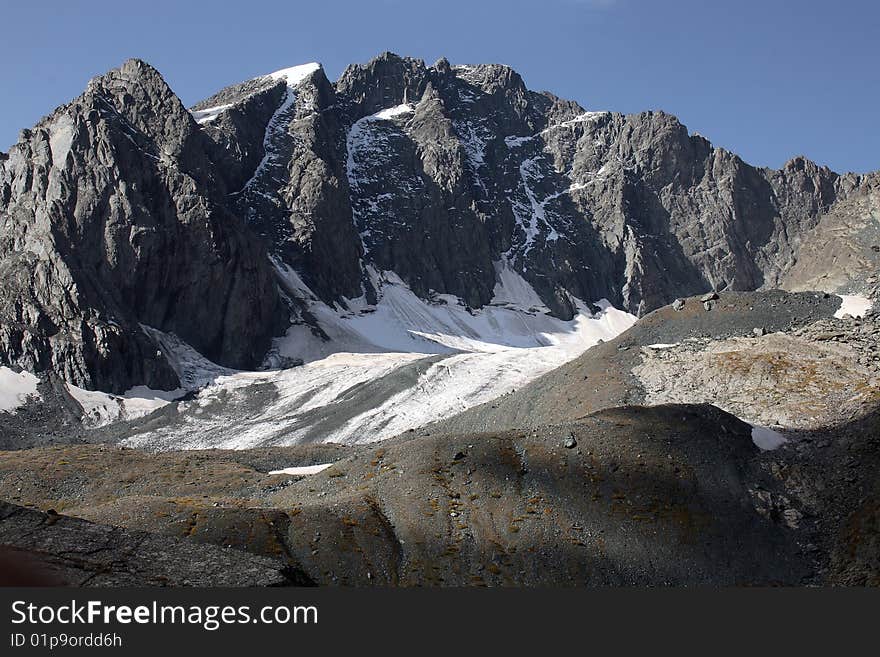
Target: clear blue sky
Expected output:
[768,79]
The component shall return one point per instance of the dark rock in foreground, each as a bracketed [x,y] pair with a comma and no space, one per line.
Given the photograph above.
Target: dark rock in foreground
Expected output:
[47,548]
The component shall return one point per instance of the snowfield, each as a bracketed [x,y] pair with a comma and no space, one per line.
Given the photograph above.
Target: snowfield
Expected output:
[16,388]
[386,368]
[101,408]
[853,305]
[767,439]
[402,322]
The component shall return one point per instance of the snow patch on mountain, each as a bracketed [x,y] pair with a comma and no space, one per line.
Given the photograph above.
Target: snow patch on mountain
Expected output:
[366,141]
[292,77]
[209,113]
[295,74]
[515,142]
[767,439]
[101,408]
[16,389]
[392,112]
[531,215]
[277,128]
[359,135]
[853,305]
[473,139]
[302,470]
[585,117]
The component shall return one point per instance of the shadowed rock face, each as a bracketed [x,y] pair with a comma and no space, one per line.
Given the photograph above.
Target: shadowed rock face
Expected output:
[119,209]
[632,208]
[54,550]
[112,216]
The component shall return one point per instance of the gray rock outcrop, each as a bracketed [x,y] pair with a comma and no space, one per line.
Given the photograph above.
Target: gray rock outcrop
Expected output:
[112,216]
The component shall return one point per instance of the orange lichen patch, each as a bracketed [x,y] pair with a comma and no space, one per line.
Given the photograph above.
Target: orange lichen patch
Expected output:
[378,456]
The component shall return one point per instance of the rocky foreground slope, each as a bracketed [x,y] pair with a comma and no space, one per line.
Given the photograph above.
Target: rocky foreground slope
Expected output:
[664,496]
[762,355]
[48,549]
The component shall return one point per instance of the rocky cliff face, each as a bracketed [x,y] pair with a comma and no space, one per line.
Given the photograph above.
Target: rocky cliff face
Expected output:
[445,171]
[124,209]
[113,215]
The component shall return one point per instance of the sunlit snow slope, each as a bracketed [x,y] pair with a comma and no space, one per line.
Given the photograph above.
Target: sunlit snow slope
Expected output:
[15,389]
[377,370]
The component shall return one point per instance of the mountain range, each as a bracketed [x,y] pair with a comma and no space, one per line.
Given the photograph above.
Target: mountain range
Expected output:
[227,224]
[434,328]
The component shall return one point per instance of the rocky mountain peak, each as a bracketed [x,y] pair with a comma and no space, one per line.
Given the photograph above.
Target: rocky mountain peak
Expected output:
[140,96]
[382,82]
[133,210]
[442,66]
[112,220]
